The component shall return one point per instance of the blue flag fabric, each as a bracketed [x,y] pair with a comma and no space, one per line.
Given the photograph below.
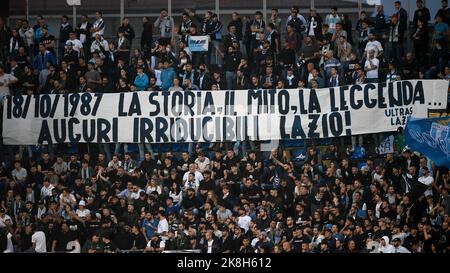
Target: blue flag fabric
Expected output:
[431,137]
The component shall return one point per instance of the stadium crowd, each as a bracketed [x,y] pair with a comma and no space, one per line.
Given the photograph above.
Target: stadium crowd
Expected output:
[218,197]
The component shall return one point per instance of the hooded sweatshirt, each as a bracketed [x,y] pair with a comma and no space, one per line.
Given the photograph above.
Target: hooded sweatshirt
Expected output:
[387,248]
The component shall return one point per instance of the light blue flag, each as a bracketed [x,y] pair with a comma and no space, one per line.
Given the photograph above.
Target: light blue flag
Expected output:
[431,137]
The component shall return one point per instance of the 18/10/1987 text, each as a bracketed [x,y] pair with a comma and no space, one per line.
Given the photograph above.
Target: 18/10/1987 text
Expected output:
[206,264]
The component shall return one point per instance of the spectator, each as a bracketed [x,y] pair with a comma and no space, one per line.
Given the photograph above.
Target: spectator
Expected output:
[127,30]
[296,20]
[371,67]
[257,28]
[332,19]
[422,13]
[344,49]
[444,12]
[375,45]
[6,80]
[64,31]
[395,40]
[314,27]
[440,30]
[165,25]
[401,24]
[147,34]
[420,41]
[275,19]
[215,197]
[98,27]
[123,46]
[83,31]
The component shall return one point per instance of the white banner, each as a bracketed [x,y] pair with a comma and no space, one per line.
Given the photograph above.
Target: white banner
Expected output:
[198,43]
[168,117]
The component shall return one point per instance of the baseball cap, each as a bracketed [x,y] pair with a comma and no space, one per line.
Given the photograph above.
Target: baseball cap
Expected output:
[82,203]
[396,240]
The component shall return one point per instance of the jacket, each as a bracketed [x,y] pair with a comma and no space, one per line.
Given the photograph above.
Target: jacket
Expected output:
[141,82]
[41,63]
[165,26]
[388,248]
[215,248]
[167,76]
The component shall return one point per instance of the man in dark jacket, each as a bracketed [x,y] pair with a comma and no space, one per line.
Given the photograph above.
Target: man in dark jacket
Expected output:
[402,16]
[210,244]
[147,34]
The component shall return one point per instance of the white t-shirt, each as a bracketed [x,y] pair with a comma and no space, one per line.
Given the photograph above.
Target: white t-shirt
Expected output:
[152,189]
[244,222]
[163,226]
[47,191]
[375,45]
[76,45]
[427,181]
[5,81]
[198,176]
[372,74]
[83,213]
[67,199]
[135,195]
[203,166]
[41,243]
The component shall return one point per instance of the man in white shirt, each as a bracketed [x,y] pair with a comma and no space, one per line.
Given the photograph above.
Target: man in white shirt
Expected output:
[82,211]
[193,169]
[136,192]
[5,81]
[46,189]
[27,33]
[426,179]
[398,248]
[98,44]
[203,162]
[39,242]
[243,219]
[191,183]
[371,67]
[67,198]
[163,225]
[76,44]
[19,173]
[374,45]
[332,19]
